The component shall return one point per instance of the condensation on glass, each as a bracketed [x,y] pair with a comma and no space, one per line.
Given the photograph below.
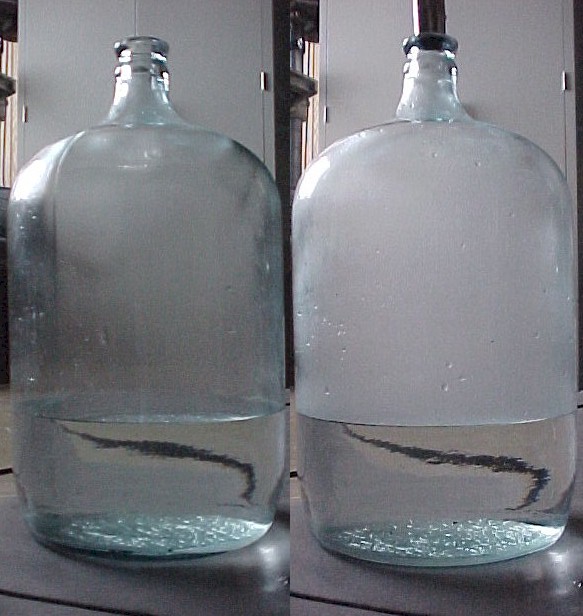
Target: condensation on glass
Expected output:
[146,331]
[434,301]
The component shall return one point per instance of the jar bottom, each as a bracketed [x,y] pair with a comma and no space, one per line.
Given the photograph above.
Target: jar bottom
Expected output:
[437,495]
[146,536]
[443,543]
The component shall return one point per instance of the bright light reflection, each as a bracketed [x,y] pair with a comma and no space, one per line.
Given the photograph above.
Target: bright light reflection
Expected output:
[269,555]
[120,92]
[312,176]
[32,179]
[557,557]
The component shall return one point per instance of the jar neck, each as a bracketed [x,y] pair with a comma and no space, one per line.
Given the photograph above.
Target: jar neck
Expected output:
[429,84]
[141,86]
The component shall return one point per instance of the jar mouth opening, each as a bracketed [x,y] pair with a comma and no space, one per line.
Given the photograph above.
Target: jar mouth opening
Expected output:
[141,45]
[430,41]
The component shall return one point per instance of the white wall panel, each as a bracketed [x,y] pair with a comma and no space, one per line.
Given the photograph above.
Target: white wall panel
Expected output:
[66,63]
[218,49]
[510,60]
[216,57]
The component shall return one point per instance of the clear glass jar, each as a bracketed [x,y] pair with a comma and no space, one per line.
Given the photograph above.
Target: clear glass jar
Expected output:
[147,331]
[434,299]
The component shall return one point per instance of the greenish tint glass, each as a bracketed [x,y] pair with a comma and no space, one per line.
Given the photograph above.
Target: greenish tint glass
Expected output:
[147,331]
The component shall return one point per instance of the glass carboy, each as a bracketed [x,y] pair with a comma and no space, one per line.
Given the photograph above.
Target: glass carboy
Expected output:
[434,307]
[146,331]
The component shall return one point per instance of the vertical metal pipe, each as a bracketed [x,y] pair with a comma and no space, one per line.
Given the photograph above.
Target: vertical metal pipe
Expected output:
[297,63]
[429,16]
[295,168]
